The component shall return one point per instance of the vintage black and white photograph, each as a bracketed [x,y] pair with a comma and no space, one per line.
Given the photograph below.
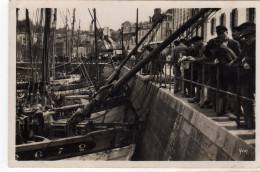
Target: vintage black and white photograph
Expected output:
[134,81]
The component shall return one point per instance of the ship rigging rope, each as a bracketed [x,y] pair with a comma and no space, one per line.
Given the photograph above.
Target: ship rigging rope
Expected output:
[85,69]
[98,29]
[53,102]
[39,24]
[100,34]
[30,55]
[69,16]
[100,115]
[86,72]
[80,66]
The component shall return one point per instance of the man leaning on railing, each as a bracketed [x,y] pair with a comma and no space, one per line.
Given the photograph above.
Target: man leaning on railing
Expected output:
[222,40]
[246,35]
[197,57]
[177,52]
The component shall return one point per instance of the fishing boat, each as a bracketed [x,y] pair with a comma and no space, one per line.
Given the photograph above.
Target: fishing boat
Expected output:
[106,130]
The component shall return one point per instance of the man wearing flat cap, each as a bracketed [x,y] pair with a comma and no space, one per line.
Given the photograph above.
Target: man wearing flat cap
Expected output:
[222,44]
[222,33]
[247,34]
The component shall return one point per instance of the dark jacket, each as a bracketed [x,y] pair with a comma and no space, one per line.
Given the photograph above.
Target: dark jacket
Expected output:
[234,46]
[250,55]
[215,43]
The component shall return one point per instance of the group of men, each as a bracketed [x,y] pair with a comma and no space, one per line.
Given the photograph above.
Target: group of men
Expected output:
[223,58]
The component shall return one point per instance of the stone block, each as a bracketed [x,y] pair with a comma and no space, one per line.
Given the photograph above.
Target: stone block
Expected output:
[186,127]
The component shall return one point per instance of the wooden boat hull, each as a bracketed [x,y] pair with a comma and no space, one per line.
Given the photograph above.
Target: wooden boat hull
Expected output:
[117,154]
[92,142]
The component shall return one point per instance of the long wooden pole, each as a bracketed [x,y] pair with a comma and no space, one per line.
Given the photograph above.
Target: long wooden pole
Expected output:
[136,29]
[66,32]
[72,34]
[17,16]
[96,48]
[122,39]
[38,57]
[30,52]
[54,42]
[78,42]
[45,60]
[28,29]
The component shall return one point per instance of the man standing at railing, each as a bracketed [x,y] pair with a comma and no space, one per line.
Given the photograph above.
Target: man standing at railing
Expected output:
[213,45]
[177,52]
[247,35]
[197,57]
[227,78]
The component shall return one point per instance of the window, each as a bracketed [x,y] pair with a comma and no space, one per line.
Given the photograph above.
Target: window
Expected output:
[223,19]
[213,26]
[233,18]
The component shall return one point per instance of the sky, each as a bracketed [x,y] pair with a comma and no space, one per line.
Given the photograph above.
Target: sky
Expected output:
[111,14]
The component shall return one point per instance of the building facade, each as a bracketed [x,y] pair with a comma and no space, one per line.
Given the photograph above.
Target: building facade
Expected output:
[206,26]
[129,35]
[229,18]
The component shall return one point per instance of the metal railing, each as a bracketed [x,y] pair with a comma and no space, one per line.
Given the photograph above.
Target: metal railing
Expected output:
[163,70]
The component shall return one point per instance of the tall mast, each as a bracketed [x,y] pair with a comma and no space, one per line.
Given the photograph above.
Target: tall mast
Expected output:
[96,50]
[122,39]
[17,16]
[66,32]
[78,41]
[39,39]
[28,28]
[54,42]
[45,59]
[136,29]
[39,43]
[72,32]
[86,46]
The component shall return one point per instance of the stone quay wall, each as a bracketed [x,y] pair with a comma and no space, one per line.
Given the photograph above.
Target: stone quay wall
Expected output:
[173,130]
